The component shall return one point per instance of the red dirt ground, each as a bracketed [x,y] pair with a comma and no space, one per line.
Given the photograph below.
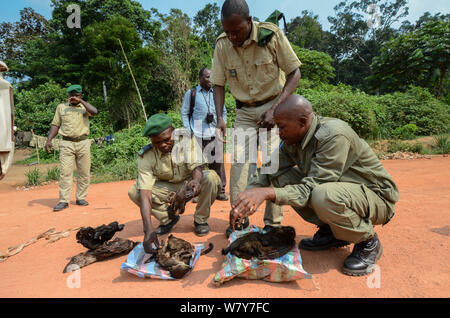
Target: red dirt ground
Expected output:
[415,262]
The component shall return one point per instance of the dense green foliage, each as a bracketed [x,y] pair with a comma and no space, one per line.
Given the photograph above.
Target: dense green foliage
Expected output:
[385,82]
[119,158]
[316,66]
[35,108]
[417,106]
[383,116]
[419,58]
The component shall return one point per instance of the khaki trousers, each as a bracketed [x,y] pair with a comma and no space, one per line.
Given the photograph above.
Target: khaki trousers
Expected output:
[242,170]
[351,209]
[210,186]
[79,153]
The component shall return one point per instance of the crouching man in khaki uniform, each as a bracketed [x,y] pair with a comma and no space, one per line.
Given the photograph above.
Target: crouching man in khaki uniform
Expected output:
[161,171]
[71,121]
[331,178]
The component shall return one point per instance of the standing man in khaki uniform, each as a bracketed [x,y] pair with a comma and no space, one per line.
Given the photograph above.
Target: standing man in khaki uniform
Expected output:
[71,121]
[331,178]
[261,73]
[161,171]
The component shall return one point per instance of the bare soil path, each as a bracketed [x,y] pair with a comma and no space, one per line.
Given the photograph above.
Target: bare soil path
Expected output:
[415,262]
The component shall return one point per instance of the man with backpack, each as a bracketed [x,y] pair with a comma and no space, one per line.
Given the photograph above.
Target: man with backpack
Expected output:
[198,114]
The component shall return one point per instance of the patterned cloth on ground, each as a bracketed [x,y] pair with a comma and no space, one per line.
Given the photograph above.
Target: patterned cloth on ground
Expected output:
[135,263]
[283,269]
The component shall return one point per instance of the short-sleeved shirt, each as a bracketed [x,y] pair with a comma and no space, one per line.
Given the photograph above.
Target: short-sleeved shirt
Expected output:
[254,73]
[173,167]
[204,104]
[73,121]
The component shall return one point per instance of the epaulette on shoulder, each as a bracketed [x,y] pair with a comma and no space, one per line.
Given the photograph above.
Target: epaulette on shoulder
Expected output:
[222,36]
[269,25]
[145,149]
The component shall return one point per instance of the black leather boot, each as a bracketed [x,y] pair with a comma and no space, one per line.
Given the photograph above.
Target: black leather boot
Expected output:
[201,229]
[322,240]
[363,257]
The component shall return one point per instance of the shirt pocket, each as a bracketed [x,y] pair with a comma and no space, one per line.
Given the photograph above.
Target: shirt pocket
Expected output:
[266,69]
[235,74]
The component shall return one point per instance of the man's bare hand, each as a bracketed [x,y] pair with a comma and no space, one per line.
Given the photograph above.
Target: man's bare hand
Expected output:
[221,130]
[48,146]
[196,186]
[150,239]
[74,100]
[266,120]
[247,203]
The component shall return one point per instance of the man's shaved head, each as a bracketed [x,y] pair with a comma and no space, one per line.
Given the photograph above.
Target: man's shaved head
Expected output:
[293,118]
[295,106]
[239,7]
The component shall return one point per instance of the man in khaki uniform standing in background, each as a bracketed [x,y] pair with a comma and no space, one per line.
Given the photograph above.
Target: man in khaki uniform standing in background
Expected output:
[71,121]
[162,171]
[261,73]
[331,178]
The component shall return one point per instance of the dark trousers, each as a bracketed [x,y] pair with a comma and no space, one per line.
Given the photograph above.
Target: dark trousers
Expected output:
[218,167]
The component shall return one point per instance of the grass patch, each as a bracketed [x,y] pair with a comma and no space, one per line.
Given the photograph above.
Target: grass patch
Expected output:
[33,177]
[52,174]
[44,158]
[441,144]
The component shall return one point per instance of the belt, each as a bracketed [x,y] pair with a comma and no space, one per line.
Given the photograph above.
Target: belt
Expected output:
[77,139]
[240,104]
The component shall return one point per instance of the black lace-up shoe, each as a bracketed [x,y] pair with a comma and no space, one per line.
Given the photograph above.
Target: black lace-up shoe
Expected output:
[61,206]
[82,202]
[363,257]
[164,229]
[201,229]
[322,240]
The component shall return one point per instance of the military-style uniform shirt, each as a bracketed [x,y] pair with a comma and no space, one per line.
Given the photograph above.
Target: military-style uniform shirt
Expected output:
[331,151]
[154,165]
[73,121]
[254,73]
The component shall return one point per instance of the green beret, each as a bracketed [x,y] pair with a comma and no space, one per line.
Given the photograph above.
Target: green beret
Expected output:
[156,124]
[75,88]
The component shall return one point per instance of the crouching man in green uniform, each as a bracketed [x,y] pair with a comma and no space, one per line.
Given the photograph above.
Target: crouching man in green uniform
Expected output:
[331,178]
[161,172]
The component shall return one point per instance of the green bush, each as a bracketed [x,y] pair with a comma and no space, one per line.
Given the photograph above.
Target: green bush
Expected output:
[398,146]
[406,132]
[358,109]
[316,66]
[419,107]
[35,108]
[441,144]
[119,159]
[376,117]
[33,177]
[52,174]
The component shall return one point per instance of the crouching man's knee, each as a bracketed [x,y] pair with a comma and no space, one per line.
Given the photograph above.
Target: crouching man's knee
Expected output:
[324,202]
[211,180]
[133,194]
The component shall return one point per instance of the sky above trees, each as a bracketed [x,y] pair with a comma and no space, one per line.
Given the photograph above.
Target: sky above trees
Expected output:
[258,8]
